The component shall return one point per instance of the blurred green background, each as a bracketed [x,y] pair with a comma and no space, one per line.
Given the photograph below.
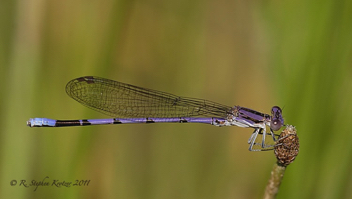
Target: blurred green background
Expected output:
[295,54]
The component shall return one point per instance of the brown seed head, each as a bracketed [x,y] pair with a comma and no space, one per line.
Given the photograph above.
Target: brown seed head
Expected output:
[287,146]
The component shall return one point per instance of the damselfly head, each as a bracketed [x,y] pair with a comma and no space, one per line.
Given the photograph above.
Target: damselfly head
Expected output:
[277,121]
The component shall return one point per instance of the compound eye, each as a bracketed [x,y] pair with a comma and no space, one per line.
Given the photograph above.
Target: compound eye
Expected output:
[276,110]
[275,125]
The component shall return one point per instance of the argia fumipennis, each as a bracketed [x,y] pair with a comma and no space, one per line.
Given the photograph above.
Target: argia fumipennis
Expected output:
[132,104]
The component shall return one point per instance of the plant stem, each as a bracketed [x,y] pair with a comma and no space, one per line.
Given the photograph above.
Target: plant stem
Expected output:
[274,182]
[286,149]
